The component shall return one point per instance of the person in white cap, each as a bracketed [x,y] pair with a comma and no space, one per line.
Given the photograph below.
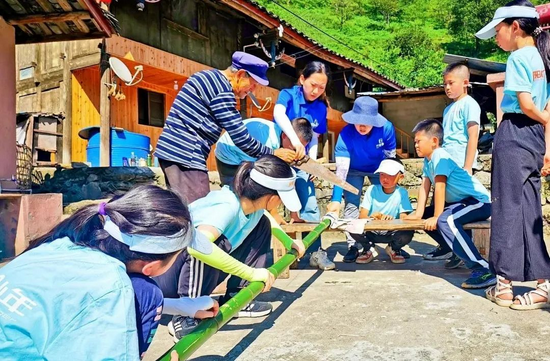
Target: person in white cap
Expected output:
[521,149]
[385,201]
[238,239]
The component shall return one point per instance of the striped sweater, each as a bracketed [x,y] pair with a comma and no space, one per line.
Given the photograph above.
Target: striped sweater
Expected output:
[204,107]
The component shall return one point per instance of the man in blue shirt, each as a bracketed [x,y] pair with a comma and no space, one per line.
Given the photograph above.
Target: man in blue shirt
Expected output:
[368,139]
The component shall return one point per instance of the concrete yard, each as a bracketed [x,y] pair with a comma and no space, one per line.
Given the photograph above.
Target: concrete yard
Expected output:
[379,311]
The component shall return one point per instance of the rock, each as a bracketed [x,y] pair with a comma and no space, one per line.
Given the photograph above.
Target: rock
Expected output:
[73,207]
[484,178]
[92,178]
[91,191]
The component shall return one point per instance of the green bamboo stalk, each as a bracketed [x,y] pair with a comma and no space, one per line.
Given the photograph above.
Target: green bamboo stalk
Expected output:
[195,339]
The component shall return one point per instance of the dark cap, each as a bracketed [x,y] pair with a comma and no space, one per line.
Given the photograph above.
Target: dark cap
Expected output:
[254,66]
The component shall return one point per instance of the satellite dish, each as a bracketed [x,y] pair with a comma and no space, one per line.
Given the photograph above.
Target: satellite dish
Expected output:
[123,73]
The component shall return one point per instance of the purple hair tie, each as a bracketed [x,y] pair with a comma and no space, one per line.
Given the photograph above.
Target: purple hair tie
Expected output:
[102,208]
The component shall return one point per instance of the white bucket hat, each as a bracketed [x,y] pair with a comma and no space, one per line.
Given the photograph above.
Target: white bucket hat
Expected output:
[506,12]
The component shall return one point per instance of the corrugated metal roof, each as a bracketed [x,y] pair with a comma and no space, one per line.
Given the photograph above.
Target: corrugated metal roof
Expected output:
[321,46]
[57,20]
[477,66]
[432,90]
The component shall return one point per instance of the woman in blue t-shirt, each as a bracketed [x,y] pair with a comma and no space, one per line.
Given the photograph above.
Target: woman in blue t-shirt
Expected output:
[368,139]
[76,290]
[307,100]
[521,149]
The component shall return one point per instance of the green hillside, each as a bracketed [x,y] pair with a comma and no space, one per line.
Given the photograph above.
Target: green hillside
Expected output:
[403,39]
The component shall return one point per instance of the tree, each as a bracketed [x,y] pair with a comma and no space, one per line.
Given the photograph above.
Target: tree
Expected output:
[345,10]
[387,8]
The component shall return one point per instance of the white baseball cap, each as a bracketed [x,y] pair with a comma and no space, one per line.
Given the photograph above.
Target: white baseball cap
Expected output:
[506,12]
[283,186]
[391,167]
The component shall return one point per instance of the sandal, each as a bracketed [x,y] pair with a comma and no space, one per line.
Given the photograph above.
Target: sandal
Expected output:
[493,293]
[526,300]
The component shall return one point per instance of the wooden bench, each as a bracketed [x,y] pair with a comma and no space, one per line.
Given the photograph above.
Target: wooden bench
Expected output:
[481,234]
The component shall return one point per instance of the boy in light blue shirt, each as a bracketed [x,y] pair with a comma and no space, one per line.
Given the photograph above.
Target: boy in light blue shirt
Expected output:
[459,198]
[385,201]
[461,118]
[229,156]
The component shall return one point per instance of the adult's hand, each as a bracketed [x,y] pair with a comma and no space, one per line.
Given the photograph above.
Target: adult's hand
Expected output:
[288,155]
[333,207]
[546,166]
[300,150]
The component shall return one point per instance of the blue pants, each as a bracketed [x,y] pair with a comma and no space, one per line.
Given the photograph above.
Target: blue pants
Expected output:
[148,302]
[518,251]
[310,209]
[351,209]
[450,229]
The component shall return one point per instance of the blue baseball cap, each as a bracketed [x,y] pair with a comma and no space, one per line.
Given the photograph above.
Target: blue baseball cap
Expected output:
[254,66]
[365,112]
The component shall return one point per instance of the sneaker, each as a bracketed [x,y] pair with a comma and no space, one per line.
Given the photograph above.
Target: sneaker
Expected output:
[365,257]
[404,253]
[351,256]
[181,326]
[454,262]
[320,260]
[437,254]
[394,256]
[480,278]
[256,309]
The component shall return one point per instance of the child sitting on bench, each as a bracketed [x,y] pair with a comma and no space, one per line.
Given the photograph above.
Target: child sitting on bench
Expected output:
[385,201]
[459,198]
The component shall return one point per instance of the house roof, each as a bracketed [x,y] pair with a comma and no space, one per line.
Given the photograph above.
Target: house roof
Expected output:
[476,66]
[297,38]
[56,20]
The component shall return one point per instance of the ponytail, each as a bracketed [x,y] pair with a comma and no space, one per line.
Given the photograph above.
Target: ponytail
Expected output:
[532,27]
[542,41]
[246,187]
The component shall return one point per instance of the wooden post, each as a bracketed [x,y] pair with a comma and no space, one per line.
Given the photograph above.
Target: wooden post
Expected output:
[482,241]
[104,112]
[278,252]
[66,92]
[326,146]
[496,82]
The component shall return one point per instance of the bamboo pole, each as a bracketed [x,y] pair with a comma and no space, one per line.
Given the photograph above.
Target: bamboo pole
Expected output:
[190,343]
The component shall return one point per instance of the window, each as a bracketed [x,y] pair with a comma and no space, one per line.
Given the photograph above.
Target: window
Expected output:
[151,108]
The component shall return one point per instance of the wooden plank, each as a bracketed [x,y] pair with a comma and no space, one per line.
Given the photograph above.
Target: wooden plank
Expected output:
[376,225]
[105,120]
[278,252]
[67,105]
[47,132]
[43,18]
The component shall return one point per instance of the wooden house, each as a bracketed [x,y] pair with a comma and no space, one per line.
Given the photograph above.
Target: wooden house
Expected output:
[171,40]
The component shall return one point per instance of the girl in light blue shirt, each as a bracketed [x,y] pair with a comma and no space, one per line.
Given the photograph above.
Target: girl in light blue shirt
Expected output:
[69,294]
[521,147]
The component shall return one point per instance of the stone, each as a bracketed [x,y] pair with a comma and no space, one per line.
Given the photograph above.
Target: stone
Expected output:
[484,178]
[91,191]
[92,178]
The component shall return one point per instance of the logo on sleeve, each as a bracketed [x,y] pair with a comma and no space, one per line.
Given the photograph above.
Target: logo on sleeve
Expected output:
[538,74]
[380,143]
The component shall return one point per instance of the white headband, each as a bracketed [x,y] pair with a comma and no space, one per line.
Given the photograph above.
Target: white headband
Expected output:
[277,184]
[150,244]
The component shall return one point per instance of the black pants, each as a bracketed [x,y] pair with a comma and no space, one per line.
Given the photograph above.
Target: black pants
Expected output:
[189,277]
[518,252]
[190,184]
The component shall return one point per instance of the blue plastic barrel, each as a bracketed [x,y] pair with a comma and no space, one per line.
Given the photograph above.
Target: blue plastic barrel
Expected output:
[123,143]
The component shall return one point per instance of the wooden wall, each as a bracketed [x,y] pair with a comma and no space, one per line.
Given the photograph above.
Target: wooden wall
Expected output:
[124,113]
